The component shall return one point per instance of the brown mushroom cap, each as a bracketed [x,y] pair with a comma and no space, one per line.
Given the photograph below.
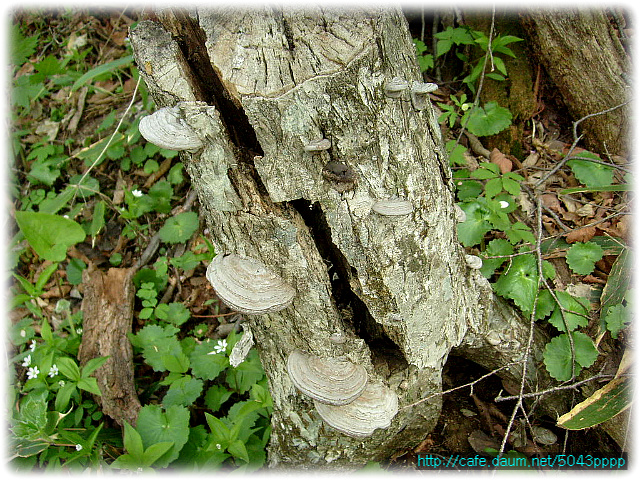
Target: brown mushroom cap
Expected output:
[247,285]
[375,408]
[327,380]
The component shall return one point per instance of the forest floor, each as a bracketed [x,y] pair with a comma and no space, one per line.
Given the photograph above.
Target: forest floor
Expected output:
[75,107]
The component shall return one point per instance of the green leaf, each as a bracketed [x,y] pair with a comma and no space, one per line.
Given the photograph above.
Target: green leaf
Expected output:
[49,235]
[249,372]
[219,431]
[557,355]
[100,69]
[489,120]
[582,257]
[545,304]
[90,385]
[176,362]
[604,404]
[496,247]
[616,317]
[92,365]
[520,282]
[156,343]
[97,220]
[183,391]
[205,364]
[69,368]
[472,230]
[571,304]
[157,425]
[132,441]
[589,173]
[74,271]
[216,395]
[21,47]
[238,450]
[179,228]
[173,312]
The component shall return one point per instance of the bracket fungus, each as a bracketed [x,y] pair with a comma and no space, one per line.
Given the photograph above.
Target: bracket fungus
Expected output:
[318,145]
[392,207]
[375,408]
[247,285]
[419,92]
[395,87]
[327,380]
[473,261]
[167,129]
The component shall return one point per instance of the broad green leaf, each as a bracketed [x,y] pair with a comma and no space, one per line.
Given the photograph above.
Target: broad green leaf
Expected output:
[238,450]
[472,230]
[75,267]
[173,312]
[69,368]
[557,355]
[520,282]
[183,391]
[486,121]
[589,173]
[496,247]
[205,363]
[90,385]
[618,281]
[574,320]
[133,441]
[49,235]
[157,425]
[219,431]
[582,257]
[179,228]
[249,372]
[616,317]
[97,220]
[92,365]
[216,395]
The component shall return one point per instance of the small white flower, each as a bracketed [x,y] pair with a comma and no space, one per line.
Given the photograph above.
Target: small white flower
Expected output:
[78,447]
[221,346]
[33,372]
[53,371]
[503,204]
[27,361]
[33,345]
[61,383]
[79,330]
[23,333]
[66,216]
[218,446]
[136,193]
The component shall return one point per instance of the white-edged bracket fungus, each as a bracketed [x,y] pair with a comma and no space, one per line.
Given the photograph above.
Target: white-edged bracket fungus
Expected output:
[473,261]
[318,145]
[375,408]
[395,87]
[247,285]
[392,207]
[419,94]
[167,129]
[327,380]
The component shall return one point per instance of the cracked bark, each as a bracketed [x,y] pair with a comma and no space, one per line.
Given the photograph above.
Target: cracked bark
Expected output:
[397,287]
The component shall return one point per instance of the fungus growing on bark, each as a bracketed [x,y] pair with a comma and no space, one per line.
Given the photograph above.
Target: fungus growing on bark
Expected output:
[375,408]
[318,145]
[247,285]
[328,380]
[473,261]
[167,129]
[419,94]
[395,87]
[392,207]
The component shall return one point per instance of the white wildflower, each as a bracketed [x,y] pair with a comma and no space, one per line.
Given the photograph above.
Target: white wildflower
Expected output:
[27,361]
[53,371]
[136,193]
[33,372]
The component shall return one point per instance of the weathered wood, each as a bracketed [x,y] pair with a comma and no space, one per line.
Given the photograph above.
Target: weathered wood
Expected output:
[107,308]
[397,287]
[583,56]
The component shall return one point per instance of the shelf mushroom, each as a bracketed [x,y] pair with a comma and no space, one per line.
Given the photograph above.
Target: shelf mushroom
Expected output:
[375,408]
[392,207]
[166,129]
[247,285]
[327,380]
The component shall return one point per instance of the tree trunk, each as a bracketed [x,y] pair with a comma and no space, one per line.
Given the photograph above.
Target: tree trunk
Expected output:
[583,56]
[397,287]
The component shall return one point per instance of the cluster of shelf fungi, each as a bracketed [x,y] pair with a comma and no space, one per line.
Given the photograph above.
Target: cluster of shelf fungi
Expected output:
[340,390]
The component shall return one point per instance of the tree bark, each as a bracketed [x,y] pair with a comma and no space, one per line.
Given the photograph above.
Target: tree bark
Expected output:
[398,288]
[583,56]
